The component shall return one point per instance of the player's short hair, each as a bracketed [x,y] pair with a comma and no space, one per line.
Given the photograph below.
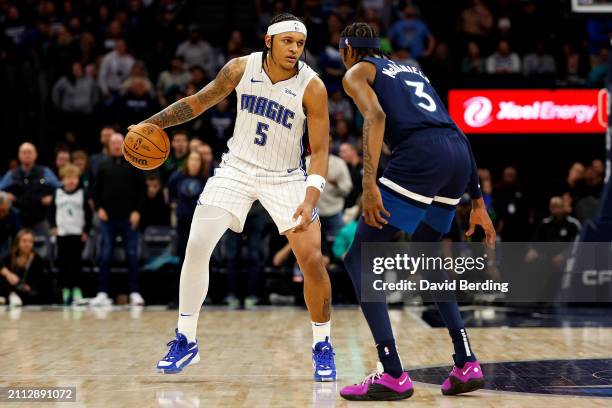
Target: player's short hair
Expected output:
[69,170]
[277,19]
[363,30]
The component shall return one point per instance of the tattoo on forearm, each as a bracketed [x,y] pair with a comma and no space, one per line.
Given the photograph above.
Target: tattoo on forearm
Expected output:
[177,113]
[369,172]
[218,89]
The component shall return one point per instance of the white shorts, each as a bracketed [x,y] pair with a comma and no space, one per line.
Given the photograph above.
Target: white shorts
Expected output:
[235,191]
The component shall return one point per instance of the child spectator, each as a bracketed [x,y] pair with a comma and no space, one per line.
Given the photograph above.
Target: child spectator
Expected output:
[71,221]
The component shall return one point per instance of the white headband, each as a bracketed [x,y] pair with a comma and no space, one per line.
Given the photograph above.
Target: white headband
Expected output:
[287,26]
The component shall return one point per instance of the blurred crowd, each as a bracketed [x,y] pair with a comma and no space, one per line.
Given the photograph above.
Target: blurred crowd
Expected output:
[77,73]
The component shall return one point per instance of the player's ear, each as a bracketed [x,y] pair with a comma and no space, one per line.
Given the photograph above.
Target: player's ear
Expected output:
[268,41]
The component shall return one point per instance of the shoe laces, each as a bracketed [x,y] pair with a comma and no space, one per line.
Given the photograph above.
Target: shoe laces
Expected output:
[175,345]
[325,356]
[376,375]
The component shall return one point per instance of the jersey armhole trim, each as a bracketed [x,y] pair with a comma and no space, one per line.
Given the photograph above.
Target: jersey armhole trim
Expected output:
[375,71]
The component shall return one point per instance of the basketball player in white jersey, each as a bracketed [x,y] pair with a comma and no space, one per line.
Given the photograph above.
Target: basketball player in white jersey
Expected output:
[276,92]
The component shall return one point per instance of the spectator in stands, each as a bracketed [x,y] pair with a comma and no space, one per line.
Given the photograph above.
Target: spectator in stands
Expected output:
[512,208]
[548,261]
[105,134]
[539,62]
[330,63]
[31,187]
[597,76]
[10,223]
[155,211]
[198,79]
[62,157]
[80,159]
[180,150]
[331,203]
[342,134]
[348,153]
[137,103]
[250,260]
[412,33]
[197,52]
[473,63]
[208,158]
[599,168]
[194,144]
[70,221]
[138,74]
[172,81]
[75,95]
[184,188]
[404,56]
[345,237]
[119,193]
[114,69]
[222,122]
[477,21]
[339,106]
[574,188]
[504,61]
[558,226]
[586,207]
[234,49]
[22,272]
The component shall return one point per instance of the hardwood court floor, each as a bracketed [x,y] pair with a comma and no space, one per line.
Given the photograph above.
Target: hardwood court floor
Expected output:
[256,359]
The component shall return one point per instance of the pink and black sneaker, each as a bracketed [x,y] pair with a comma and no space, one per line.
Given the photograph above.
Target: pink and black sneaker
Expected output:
[462,380]
[380,386]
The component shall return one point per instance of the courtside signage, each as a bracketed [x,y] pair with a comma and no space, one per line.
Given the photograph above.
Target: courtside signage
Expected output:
[529,111]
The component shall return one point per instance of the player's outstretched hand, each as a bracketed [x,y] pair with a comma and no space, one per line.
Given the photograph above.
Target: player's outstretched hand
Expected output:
[480,216]
[372,205]
[303,215]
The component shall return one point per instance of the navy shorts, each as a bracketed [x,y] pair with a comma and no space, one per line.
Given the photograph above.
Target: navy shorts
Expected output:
[425,178]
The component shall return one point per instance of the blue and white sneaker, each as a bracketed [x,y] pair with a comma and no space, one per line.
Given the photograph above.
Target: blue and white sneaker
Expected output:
[180,355]
[323,361]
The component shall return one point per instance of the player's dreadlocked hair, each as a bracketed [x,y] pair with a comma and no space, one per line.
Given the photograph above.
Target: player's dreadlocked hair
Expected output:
[277,19]
[363,30]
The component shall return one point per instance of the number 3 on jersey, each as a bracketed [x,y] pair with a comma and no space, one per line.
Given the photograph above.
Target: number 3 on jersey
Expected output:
[262,136]
[418,91]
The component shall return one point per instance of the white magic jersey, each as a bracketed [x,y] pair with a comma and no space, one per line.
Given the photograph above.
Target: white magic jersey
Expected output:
[270,122]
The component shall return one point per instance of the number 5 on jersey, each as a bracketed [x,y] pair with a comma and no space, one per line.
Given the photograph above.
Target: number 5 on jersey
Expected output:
[262,136]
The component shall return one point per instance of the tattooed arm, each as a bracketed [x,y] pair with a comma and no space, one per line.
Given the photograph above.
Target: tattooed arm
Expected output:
[357,83]
[189,107]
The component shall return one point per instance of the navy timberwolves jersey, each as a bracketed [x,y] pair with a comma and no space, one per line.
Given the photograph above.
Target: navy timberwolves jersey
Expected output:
[409,101]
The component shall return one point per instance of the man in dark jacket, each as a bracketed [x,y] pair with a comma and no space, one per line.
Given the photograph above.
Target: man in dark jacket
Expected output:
[31,187]
[119,194]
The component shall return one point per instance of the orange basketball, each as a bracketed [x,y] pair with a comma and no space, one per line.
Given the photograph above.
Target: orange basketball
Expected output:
[146,146]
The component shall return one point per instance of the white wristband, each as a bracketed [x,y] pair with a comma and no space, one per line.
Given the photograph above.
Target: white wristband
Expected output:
[316,181]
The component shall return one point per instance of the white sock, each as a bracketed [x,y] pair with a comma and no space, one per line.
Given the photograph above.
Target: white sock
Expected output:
[320,331]
[188,326]
[208,226]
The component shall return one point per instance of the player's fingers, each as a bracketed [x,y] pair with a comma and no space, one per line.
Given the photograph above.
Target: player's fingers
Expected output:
[297,214]
[379,218]
[384,211]
[470,231]
[371,220]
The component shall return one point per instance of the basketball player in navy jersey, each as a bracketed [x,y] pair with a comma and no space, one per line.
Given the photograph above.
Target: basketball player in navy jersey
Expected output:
[430,168]
[276,92]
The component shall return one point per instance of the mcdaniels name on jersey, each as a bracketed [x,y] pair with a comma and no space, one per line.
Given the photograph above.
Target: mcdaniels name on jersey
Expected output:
[268,108]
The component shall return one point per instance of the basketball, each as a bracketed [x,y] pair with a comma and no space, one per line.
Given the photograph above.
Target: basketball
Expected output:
[146,146]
